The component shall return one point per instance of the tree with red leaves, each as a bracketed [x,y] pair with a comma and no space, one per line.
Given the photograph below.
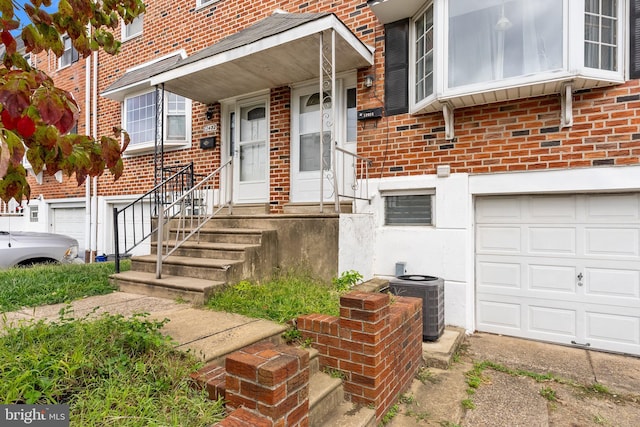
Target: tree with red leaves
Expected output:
[36,116]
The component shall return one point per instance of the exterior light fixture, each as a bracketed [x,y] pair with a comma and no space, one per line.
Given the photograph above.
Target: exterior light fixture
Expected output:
[368,80]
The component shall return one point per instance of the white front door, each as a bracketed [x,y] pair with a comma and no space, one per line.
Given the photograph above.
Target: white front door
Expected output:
[306,124]
[247,137]
[564,269]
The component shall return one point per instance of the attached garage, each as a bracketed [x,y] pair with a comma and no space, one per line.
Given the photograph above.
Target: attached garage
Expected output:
[71,222]
[561,268]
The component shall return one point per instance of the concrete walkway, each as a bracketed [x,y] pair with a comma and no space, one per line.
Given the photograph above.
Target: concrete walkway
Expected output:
[208,334]
[517,400]
[436,399]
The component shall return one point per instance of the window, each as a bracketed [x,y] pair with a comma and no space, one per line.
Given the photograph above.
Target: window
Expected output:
[70,54]
[495,40]
[202,3]
[176,117]
[133,29]
[408,209]
[310,133]
[600,34]
[140,120]
[424,54]
[33,213]
[460,50]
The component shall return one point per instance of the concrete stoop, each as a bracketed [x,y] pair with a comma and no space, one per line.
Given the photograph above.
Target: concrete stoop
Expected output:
[203,265]
[439,354]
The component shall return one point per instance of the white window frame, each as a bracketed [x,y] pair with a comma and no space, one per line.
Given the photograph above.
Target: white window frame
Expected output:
[573,57]
[71,49]
[204,3]
[431,192]
[169,144]
[125,28]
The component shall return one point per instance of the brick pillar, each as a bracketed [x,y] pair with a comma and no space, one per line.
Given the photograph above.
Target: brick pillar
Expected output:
[376,343]
[269,380]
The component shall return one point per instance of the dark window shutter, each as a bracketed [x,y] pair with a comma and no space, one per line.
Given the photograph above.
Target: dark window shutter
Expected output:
[634,39]
[396,67]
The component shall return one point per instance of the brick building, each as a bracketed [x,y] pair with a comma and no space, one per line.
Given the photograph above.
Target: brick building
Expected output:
[503,136]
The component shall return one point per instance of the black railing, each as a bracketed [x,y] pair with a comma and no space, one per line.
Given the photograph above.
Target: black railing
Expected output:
[135,223]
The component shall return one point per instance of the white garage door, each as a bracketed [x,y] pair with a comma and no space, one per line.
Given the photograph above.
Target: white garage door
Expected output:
[69,221]
[564,269]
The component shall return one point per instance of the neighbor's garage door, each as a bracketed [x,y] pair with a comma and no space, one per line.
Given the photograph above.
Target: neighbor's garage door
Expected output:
[69,221]
[560,268]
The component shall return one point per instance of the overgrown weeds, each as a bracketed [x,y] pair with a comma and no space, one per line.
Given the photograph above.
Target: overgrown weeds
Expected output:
[53,284]
[289,295]
[110,371]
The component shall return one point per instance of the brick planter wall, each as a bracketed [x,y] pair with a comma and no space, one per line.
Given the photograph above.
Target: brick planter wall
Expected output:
[376,343]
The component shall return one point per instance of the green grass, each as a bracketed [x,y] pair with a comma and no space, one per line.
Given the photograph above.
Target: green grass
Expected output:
[287,296]
[110,371]
[52,284]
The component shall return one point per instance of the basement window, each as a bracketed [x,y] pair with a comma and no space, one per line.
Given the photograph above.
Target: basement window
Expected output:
[408,209]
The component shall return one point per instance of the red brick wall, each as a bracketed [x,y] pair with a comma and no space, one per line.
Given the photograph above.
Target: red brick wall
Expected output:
[269,381]
[376,344]
[513,136]
[508,136]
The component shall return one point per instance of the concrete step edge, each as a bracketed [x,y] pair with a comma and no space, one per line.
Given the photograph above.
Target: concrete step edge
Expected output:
[221,263]
[325,392]
[168,281]
[348,414]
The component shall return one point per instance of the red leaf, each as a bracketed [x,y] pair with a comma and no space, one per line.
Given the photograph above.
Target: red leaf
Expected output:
[25,126]
[8,121]
[66,122]
[50,111]
[9,42]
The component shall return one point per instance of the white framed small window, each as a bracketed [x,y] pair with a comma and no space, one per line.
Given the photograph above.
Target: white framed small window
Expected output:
[70,54]
[133,29]
[139,120]
[408,208]
[601,34]
[423,28]
[203,3]
[33,213]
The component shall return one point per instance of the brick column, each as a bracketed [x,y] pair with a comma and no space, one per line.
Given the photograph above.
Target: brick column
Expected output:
[376,343]
[269,380]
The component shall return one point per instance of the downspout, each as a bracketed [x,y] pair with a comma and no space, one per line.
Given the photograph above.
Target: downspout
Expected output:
[94,131]
[87,183]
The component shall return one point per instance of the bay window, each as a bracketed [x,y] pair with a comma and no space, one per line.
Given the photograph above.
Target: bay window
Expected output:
[470,52]
[495,39]
[139,119]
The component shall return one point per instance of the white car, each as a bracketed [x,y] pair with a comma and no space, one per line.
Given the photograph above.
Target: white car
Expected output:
[23,248]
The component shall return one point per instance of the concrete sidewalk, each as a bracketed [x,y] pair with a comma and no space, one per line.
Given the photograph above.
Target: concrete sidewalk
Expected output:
[511,400]
[208,334]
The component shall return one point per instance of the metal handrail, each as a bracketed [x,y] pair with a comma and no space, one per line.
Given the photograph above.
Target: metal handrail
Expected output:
[361,165]
[191,212]
[177,183]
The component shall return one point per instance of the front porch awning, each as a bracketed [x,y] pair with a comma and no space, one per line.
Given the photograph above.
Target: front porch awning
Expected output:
[276,51]
[137,78]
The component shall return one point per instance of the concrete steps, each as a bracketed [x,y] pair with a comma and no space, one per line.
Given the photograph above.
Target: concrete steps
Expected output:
[327,406]
[191,289]
[209,260]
